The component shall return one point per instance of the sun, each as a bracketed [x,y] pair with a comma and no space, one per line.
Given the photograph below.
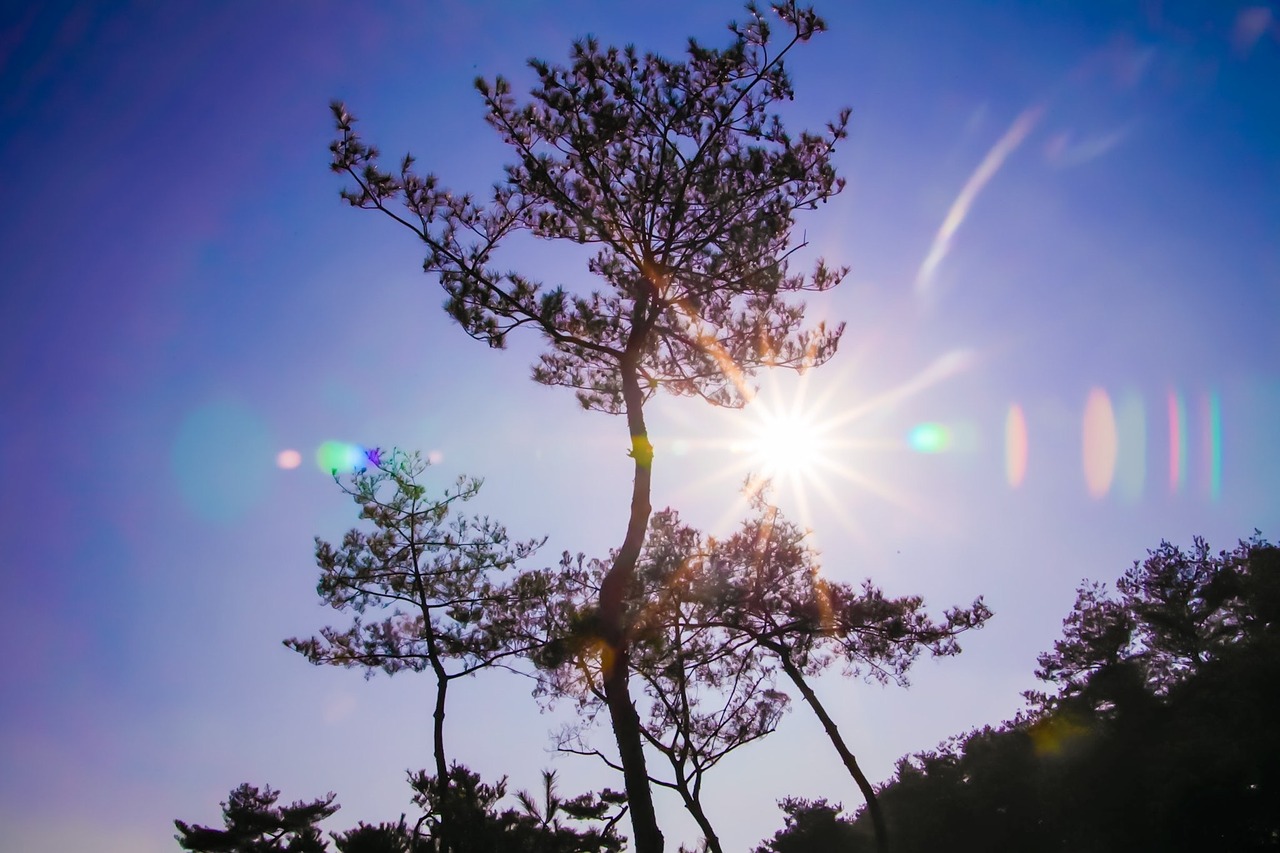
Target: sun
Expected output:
[786,444]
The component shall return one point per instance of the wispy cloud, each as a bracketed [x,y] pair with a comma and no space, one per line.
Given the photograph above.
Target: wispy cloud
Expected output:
[1006,145]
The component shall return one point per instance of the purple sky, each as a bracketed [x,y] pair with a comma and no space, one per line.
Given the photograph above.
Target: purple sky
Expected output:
[184,297]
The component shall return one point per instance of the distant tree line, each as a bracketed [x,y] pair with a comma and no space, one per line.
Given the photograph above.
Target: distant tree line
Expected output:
[1157,730]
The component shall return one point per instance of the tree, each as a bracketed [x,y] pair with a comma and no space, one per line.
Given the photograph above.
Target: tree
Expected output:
[467,807]
[703,695]
[683,179]
[1159,733]
[714,620]
[1176,613]
[254,824]
[435,574]
[765,583]
[814,826]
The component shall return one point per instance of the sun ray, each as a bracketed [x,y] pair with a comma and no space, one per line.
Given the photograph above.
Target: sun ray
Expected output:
[807,442]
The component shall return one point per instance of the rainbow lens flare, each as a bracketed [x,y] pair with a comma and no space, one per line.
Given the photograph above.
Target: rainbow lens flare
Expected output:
[1213,444]
[339,457]
[1015,446]
[1101,443]
[1177,442]
[1131,466]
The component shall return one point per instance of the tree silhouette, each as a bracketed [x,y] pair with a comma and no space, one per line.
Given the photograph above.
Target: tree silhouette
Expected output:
[682,178]
[765,583]
[468,808]
[814,826]
[1157,734]
[435,574]
[702,695]
[255,824]
[713,621]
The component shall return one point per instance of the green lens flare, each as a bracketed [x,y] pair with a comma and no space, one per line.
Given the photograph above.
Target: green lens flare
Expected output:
[929,438]
[339,457]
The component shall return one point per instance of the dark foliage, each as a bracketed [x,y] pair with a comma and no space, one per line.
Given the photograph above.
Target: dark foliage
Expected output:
[464,816]
[682,179]
[715,622]
[815,826]
[255,824]
[1160,734]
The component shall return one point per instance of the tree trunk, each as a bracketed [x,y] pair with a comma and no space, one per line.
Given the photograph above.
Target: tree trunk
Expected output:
[445,830]
[851,764]
[437,728]
[615,656]
[704,823]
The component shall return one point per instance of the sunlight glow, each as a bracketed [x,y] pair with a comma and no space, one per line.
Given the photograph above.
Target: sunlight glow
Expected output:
[785,444]
[808,444]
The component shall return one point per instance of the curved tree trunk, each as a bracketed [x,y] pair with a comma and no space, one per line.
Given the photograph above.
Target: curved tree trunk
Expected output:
[615,656]
[851,764]
[694,808]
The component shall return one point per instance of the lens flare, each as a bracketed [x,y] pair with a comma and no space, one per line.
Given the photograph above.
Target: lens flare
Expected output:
[929,438]
[288,459]
[1101,444]
[1177,442]
[1131,470]
[218,459]
[339,457]
[1213,444]
[1015,446]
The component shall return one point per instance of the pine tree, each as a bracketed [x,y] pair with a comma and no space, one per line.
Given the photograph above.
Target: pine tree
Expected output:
[682,178]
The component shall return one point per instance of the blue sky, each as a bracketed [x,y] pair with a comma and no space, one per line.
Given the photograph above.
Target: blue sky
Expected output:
[184,297]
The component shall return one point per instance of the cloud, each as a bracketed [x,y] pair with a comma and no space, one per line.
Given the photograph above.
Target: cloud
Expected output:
[1006,145]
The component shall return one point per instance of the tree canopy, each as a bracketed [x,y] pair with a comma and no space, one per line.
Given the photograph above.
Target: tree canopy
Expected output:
[1156,732]
[682,178]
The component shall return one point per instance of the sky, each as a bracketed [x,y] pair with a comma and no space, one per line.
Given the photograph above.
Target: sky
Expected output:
[1062,223]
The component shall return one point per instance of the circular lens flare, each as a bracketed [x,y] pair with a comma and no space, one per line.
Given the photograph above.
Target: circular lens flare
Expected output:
[1015,446]
[930,438]
[1101,443]
[339,457]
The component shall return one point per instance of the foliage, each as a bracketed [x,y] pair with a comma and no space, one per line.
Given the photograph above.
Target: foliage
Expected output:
[682,178]
[815,826]
[1160,734]
[703,693]
[255,824]
[679,174]
[713,623]
[467,810]
[433,572]
[463,816]
[1176,612]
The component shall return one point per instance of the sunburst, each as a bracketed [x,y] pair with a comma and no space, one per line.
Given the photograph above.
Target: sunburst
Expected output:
[812,437]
